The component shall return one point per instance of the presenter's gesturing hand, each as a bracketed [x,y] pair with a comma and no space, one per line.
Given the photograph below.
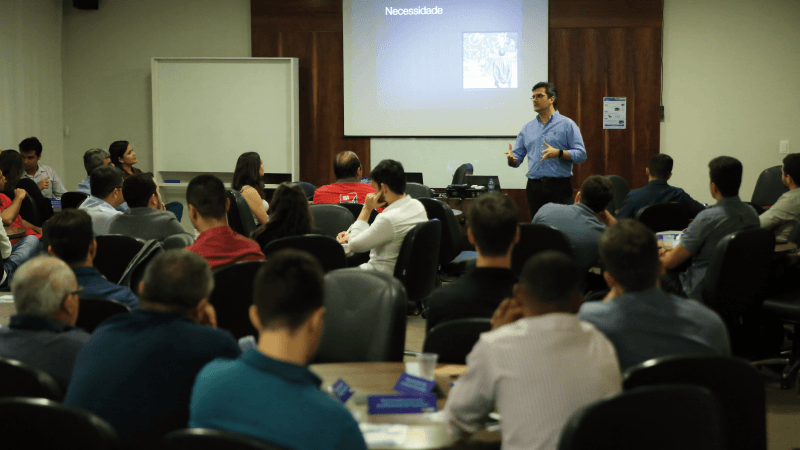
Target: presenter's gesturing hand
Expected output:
[549,152]
[512,160]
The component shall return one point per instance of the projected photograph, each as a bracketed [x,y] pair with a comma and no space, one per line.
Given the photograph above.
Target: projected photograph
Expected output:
[490,60]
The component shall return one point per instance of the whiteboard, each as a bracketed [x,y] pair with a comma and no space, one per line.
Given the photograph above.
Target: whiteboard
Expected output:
[208,111]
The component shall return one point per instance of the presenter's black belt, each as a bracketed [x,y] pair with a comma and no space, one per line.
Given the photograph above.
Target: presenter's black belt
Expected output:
[546,179]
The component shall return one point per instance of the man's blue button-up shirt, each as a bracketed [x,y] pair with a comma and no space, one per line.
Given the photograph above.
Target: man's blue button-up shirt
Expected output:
[559,132]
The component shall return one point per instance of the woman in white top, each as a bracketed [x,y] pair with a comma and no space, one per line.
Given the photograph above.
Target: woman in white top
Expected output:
[248,180]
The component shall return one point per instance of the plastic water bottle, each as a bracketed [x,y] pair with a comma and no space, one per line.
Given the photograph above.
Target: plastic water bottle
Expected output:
[491,184]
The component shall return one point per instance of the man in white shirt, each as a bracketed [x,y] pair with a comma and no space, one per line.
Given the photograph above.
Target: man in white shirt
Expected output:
[782,216]
[538,364]
[106,185]
[384,237]
[45,177]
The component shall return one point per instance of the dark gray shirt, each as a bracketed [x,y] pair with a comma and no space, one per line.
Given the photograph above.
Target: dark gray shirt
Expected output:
[146,223]
[43,343]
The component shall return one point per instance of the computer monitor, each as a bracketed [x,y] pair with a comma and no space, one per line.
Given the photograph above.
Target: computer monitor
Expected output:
[414,177]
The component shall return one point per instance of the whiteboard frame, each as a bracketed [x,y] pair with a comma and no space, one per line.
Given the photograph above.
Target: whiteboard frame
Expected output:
[185,177]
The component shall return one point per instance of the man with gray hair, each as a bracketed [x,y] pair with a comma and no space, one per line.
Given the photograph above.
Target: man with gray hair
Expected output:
[137,370]
[92,159]
[42,333]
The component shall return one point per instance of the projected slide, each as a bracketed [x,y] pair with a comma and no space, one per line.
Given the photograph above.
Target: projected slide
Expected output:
[449,68]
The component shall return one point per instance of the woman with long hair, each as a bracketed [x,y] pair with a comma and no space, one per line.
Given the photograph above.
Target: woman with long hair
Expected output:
[290,216]
[248,180]
[123,157]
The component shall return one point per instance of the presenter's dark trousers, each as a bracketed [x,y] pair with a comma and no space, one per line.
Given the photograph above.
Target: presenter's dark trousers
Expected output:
[548,190]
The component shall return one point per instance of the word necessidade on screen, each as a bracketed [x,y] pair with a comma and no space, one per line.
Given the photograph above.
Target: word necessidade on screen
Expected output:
[413,11]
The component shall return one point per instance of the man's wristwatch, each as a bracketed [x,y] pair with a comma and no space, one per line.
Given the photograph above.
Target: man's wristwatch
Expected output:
[560,152]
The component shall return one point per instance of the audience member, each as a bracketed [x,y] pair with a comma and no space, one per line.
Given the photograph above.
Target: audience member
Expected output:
[42,333]
[782,216]
[657,190]
[123,157]
[640,320]
[583,221]
[217,242]
[45,177]
[106,183]
[234,396]
[9,209]
[348,187]
[137,369]
[384,237]
[92,159]
[11,165]
[72,240]
[147,217]
[248,180]
[14,255]
[538,364]
[494,231]
[290,216]
[698,242]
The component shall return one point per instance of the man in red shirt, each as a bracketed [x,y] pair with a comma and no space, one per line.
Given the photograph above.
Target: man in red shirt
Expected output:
[217,243]
[348,187]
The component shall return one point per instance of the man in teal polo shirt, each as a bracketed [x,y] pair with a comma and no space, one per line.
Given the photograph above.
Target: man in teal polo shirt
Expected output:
[268,393]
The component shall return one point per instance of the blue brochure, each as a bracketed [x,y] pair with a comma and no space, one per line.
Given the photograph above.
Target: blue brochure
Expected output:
[411,385]
[341,390]
[401,404]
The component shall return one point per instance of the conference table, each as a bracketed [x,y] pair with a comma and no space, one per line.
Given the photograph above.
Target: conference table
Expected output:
[15,232]
[424,430]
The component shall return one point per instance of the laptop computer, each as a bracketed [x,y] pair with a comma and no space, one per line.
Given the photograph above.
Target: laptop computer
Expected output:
[414,177]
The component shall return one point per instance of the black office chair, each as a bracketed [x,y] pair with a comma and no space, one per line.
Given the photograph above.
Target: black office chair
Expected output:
[308,189]
[94,310]
[330,220]
[328,252]
[73,199]
[233,295]
[30,211]
[655,417]
[180,240]
[735,285]
[621,190]
[240,216]
[365,317]
[114,253]
[450,241]
[453,340]
[535,238]
[664,216]
[769,187]
[21,380]
[786,309]
[207,439]
[759,209]
[417,190]
[355,209]
[418,261]
[38,423]
[463,170]
[738,387]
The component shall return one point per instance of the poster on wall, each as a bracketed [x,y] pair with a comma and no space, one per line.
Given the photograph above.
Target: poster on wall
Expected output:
[614,116]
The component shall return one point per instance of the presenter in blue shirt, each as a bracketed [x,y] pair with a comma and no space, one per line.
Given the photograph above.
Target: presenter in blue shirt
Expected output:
[553,143]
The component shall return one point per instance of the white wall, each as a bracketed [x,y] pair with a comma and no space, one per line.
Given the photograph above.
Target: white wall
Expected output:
[30,76]
[106,69]
[730,87]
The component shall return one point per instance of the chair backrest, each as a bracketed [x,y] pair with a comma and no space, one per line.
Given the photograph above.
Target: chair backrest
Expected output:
[450,242]
[664,216]
[365,317]
[92,311]
[233,295]
[29,210]
[180,240]
[654,417]
[453,340]
[240,217]
[417,190]
[207,439]
[28,423]
[769,187]
[535,238]
[621,189]
[328,252]
[735,384]
[330,220]
[355,209]
[114,253]
[136,268]
[418,260]
[759,209]
[458,175]
[22,380]
[73,199]
[308,189]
